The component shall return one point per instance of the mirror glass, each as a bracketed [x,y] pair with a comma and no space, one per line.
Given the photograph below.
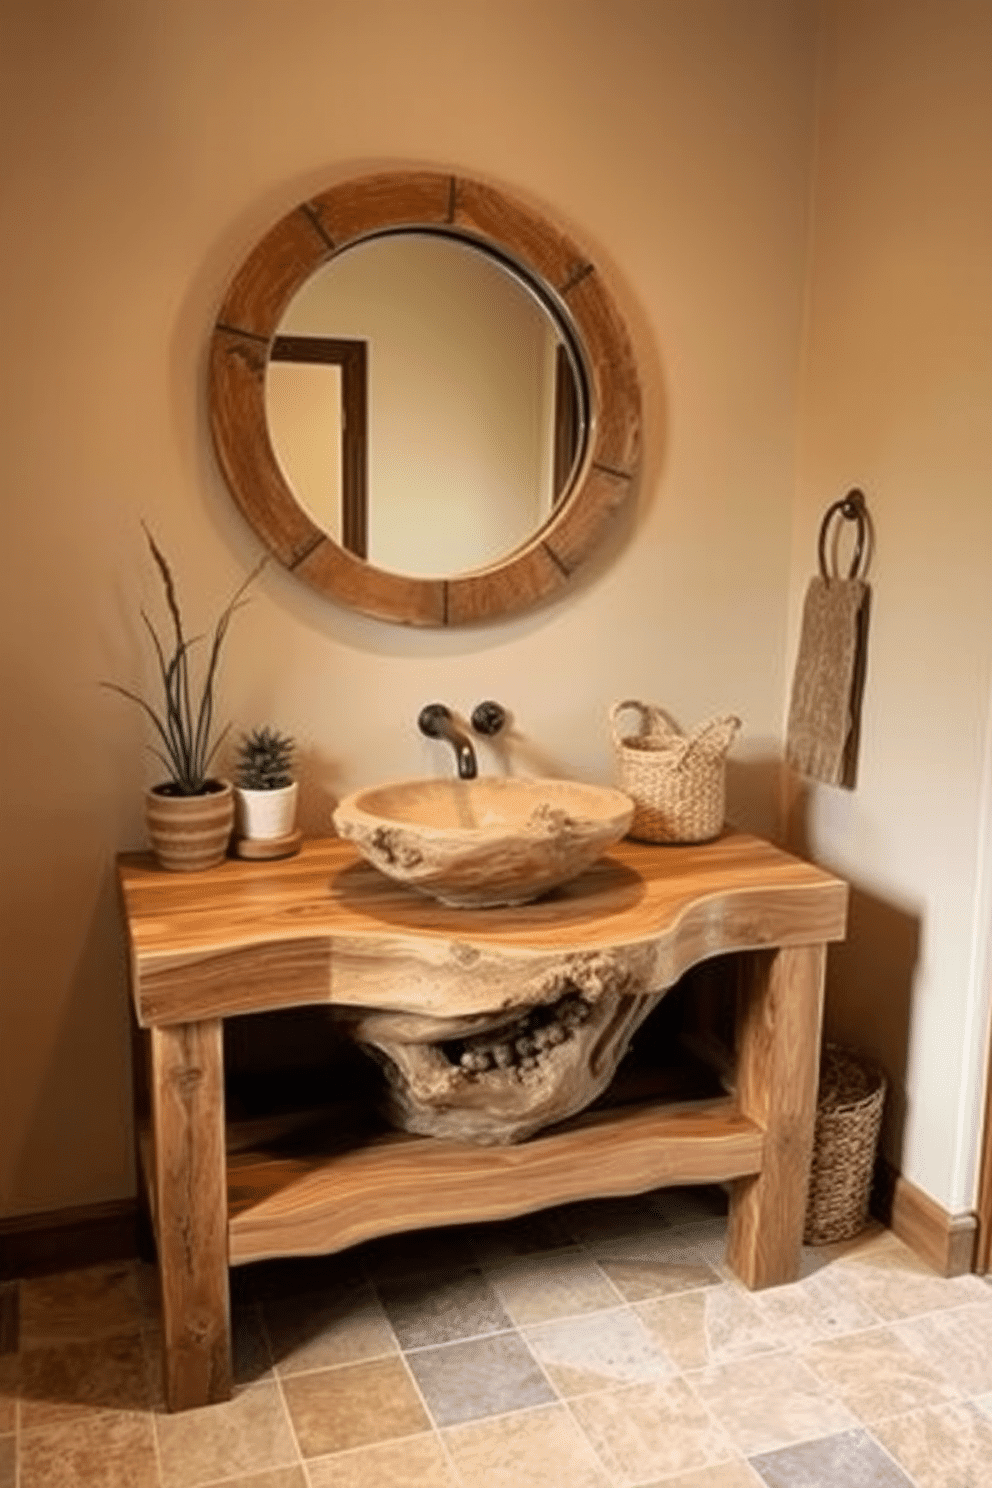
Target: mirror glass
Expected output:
[425,402]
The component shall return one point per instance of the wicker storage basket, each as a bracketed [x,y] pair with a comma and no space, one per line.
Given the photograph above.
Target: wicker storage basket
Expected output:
[848,1120]
[676,781]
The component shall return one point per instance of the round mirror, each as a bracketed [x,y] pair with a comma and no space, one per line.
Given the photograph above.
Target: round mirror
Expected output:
[426,407]
[423,399]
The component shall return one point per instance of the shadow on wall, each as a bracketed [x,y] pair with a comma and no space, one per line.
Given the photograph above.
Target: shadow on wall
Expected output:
[753,791]
[870,979]
[77,1137]
[869,1003]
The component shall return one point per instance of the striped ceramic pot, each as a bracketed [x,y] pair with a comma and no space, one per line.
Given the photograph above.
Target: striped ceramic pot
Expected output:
[190,832]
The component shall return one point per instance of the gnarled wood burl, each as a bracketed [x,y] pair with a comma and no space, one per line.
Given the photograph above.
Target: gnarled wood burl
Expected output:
[325,928]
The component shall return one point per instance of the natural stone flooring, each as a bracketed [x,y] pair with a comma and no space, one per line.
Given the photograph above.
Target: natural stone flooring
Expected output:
[599,1345]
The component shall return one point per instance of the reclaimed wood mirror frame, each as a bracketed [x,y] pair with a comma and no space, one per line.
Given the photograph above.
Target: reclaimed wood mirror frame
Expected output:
[249,321]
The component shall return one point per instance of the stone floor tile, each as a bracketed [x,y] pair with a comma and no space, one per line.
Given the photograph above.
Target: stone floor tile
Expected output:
[636,1280]
[8,1462]
[252,1357]
[435,1308]
[478,1378]
[644,1432]
[414,1462]
[770,1401]
[876,1374]
[95,1302]
[705,1237]
[354,1405]
[538,1448]
[276,1477]
[612,1222]
[61,1384]
[249,1433]
[418,1252]
[898,1284]
[597,1351]
[958,1341]
[536,1289]
[822,1305]
[711,1325]
[734,1474]
[851,1460]
[10,1388]
[949,1446]
[105,1448]
[531,1234]
[314,1330]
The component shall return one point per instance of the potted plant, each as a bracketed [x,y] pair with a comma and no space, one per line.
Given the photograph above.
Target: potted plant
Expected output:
[264,787]
[190,814]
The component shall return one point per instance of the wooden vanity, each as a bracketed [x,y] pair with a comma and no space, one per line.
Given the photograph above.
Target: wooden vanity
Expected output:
[324,928]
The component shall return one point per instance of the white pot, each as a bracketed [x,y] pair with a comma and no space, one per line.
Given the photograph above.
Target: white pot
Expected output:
[264,814]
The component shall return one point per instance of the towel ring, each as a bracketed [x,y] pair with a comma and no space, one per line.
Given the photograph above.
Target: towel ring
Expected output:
[852,508]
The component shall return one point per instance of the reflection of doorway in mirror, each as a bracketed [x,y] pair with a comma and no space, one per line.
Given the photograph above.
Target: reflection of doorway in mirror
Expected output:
[317,409]
[462,395]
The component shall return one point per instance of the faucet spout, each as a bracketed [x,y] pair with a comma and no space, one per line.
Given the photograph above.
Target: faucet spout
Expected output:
[436,722]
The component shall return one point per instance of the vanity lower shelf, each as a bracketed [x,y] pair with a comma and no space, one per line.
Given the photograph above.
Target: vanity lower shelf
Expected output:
[297,1186]
[284,1202]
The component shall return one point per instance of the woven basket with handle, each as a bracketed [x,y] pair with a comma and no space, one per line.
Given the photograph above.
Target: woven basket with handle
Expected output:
[677,781]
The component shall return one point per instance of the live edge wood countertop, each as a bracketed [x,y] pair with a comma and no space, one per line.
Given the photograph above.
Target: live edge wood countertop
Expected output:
[324,927]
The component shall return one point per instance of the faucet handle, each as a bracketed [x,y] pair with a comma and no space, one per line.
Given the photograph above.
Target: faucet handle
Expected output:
[488,717]
[432,718]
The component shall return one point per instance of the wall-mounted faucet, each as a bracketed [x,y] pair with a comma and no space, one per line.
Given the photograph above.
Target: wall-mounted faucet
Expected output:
[436,721]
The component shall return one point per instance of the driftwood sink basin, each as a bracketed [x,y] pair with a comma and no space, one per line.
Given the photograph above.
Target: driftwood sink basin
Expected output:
[482,843]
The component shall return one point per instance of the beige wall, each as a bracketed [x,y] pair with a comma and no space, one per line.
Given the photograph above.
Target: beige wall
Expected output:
[146,147]
[898,400]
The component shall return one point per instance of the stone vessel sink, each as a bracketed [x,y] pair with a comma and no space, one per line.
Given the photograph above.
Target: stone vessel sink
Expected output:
[482,843]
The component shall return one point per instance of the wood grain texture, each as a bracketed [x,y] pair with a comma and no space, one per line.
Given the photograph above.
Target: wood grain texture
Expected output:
[285,1205]
[282,262]
[325,927]
[373,591]
[271,275]
[515,584]
[778,1060]
[580,526]
[187,1092]
[510,225]
[617,397]
[356,208]
[241,441]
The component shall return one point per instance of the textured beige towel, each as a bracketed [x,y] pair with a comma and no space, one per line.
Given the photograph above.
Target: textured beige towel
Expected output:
[825,711]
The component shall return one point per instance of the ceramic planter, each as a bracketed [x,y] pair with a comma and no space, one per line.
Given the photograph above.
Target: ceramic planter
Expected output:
[190,832]
[263,815]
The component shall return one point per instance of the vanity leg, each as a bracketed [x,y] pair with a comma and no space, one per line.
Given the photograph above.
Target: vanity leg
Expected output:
[187,1092]
[779,1016]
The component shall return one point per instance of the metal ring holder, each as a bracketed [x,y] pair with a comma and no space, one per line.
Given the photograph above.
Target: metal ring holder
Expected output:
[852,508]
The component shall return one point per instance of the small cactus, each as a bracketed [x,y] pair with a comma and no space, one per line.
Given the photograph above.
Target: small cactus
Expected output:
[265,760]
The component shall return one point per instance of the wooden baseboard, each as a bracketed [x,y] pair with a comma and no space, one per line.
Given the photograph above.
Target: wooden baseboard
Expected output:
[945,1241]
[64,1239]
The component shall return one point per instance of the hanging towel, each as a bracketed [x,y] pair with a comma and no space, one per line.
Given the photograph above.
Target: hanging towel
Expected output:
[825,708]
